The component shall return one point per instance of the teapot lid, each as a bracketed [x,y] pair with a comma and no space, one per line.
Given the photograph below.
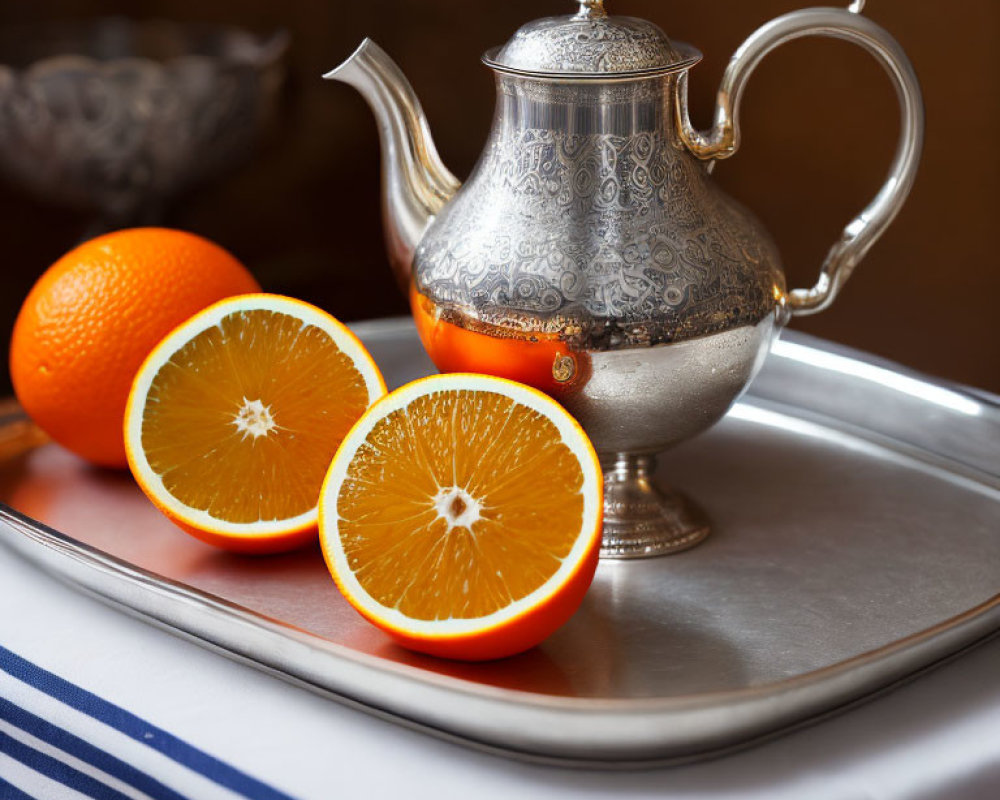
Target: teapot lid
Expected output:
[590,44]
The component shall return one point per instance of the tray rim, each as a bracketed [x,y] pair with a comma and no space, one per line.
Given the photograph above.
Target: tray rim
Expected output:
[193,613]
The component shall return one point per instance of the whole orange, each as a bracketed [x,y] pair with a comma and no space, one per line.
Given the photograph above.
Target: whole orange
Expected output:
[92,318]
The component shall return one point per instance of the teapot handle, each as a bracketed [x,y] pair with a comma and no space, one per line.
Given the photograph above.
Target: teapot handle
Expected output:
[724,137]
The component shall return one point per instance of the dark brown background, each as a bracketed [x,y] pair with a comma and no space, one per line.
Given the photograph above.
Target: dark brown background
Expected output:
[819,128]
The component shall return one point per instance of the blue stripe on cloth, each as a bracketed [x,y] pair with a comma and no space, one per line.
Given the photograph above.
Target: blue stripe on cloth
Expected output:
[9,791]
[78,748]
[136,728]
[57,770]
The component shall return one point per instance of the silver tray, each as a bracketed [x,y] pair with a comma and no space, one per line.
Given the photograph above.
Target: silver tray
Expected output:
[856,542]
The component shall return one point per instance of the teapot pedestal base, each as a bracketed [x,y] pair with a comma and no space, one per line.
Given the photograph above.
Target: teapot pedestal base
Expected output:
[642,520]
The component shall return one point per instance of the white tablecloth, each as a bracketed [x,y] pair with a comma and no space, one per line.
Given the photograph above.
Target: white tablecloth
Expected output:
[938,736]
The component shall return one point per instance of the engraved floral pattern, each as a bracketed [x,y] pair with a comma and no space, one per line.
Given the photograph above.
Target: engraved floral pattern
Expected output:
[597,235]
[591,45]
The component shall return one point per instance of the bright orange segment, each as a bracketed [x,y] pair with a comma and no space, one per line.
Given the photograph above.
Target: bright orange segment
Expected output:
[243,420]
[459,504]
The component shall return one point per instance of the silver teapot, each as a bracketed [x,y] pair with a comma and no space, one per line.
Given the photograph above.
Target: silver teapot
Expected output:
[590,254]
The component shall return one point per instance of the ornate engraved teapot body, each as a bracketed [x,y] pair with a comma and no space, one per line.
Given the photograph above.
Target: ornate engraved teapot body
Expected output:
[591,255]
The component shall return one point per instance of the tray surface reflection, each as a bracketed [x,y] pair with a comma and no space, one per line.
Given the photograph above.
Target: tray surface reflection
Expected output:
[839,563]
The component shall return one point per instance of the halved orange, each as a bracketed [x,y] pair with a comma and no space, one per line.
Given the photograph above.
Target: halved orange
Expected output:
[234,417]
[462,515]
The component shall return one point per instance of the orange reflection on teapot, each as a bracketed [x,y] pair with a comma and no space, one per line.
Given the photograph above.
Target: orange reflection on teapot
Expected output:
[542,360]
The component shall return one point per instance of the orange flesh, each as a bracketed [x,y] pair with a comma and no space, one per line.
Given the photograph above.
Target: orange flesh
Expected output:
[459,504]
[295,395]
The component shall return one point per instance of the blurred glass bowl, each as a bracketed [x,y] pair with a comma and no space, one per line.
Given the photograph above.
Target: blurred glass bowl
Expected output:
[120,115]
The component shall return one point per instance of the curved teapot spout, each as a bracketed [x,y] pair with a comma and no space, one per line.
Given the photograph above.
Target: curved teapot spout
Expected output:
[415,184]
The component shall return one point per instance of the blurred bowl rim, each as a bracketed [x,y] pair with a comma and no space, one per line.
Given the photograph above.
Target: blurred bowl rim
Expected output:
[257,50]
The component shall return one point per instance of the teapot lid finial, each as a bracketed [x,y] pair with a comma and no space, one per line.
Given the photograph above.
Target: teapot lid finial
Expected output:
[590,43]
[591,9]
